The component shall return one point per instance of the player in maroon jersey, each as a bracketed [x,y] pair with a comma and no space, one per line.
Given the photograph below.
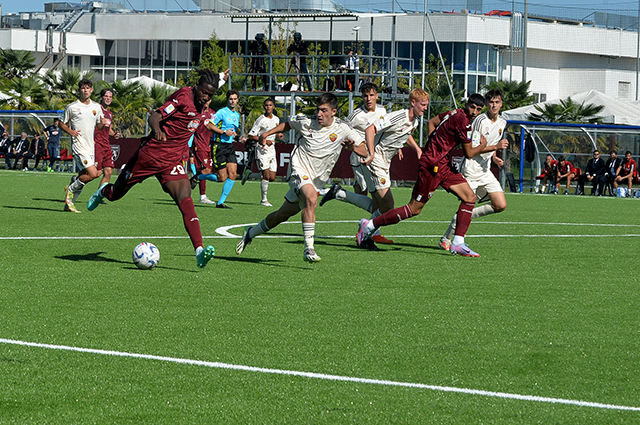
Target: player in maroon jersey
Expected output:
[201,160]
[104,155]
[566,171]
[549,173]
[447,131]
[626,172]
[163,155]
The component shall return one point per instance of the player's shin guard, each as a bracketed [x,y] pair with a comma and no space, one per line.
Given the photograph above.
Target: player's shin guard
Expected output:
[464,218]
[191,221]
[226,189]
[264,187]
[361,201]
[482,210]
[393,216]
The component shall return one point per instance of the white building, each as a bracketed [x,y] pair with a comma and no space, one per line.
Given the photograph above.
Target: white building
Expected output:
[562,58]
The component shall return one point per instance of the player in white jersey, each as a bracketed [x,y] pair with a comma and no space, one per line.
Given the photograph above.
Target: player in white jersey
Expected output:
[265,152]
[81,118]
[477,169]
[387,135]
[319,142]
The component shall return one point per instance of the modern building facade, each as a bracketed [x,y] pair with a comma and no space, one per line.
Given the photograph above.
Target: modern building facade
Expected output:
[562,58]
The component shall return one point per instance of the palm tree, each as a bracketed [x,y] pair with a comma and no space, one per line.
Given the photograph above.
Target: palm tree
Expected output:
[567,111]
[23,93]
[64,84]
[130,106]
[16,63]
[516,94]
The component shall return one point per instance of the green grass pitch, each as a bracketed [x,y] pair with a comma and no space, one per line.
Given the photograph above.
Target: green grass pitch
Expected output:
[549,310]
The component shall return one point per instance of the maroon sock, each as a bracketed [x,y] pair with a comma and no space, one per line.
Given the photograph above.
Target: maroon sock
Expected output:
[394,216]
[464,218]
[107,192]
[191,221]
[203,187]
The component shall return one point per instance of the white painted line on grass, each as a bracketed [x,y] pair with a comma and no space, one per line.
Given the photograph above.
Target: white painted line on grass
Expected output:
[324,376]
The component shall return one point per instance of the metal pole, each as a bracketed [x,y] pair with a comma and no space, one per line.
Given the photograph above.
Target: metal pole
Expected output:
[424,67]
[524,44]
[513,12]
[638,52]
[521,176]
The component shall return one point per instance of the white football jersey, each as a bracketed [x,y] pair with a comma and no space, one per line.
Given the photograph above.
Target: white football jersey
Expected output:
[493,131]
[360,119]
[393,131]
[318,148]
[261,125]
[83,118]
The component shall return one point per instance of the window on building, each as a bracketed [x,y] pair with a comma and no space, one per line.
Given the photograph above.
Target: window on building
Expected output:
[459,50]
[540,97]
[182,54]
[147,52]
[624,90]
[134,53]
[473,57]
[110,52]
[170,54]
[122,51]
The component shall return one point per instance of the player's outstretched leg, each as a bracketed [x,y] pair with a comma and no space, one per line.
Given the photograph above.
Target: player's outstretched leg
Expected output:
[203,255]
[244,240]
[96,198]
[331,193]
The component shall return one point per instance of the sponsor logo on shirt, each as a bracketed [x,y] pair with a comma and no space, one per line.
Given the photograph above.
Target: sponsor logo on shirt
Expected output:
[169,109]
[193,125]
[191,114]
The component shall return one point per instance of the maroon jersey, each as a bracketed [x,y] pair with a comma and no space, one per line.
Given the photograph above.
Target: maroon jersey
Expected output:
[101,137]
[180,120]
[203,135]
[567,167]
[551,168]
[454,128]
[629,167]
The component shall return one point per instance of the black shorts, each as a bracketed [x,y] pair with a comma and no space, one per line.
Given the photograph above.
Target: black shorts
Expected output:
[223,154]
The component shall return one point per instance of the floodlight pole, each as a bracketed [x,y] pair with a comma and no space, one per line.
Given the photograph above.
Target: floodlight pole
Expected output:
[638,53]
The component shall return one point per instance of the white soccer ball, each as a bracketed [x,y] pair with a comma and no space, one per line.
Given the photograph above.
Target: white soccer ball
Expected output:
[146,256]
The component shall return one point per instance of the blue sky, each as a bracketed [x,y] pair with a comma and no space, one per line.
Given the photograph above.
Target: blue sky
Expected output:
[578,8]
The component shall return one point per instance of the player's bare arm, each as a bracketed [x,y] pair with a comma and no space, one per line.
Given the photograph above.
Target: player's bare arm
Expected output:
[64,127]
[277,129]
[370,137]
[497,160]
[470,151]
[412,143]
[433,124]
[359,150]
[154,123]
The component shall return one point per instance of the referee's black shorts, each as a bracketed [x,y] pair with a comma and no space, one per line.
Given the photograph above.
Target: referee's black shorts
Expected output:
[223,154]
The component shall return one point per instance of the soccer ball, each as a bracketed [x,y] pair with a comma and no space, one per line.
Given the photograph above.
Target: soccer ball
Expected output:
[146,256]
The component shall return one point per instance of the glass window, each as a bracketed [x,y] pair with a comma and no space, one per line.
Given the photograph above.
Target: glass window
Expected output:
[482,82]
[157,75]
[378,48]
[483,58]
[110,52]
[145,72]
[134,53]
[158,54]
[458,56]
[472,86]
[122,74]
[416,54]
[458,82]
[473,57]
[147,50]
[196,49]
[182,54]
[170,75]
[109,75]
[122,52]
[170,53]
[447,52]
[404,50]
[133,73]
[493,61]
[96,60]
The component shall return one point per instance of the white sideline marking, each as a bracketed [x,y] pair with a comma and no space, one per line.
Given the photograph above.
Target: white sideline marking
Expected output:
[324,376]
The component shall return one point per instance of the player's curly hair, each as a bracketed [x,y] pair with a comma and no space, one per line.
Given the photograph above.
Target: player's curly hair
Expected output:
[207,76]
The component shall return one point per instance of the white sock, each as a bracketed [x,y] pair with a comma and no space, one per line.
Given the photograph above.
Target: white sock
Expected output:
[451,230]
[264,185]
[370,227]
[375,214]
[482,210]
[199,250]
[203,197]
[361,201]
[308,231]
[259,229]
[341,195]
[458,240]
[76,188]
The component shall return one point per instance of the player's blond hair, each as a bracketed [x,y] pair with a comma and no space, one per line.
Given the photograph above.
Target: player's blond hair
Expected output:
[418,95]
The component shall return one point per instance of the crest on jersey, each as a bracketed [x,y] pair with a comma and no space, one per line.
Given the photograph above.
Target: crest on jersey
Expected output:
[193,126]
[500,132]
[333,137]
[95,112]
[85,162]
[305,177]
[383,181]
[115,152]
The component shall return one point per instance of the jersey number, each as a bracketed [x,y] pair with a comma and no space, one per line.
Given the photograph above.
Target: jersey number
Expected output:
[178,170]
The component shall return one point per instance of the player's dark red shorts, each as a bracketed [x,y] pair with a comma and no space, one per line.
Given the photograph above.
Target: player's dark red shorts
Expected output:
[429,179]
[202,159]
[103,156]
[147,163]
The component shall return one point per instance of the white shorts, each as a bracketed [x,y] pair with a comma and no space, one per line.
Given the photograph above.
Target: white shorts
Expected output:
[363,177]
[83,158]
[379,169]
[266,161]
[484,185]
[295,186]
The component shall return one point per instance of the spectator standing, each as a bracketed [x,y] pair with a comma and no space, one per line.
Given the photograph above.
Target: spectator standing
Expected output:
[300,51]
[595,169]
[53,133]
[258,50]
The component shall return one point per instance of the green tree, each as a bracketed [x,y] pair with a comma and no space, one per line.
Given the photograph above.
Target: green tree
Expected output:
[567,111]
[23,93]
[130,106]
[516,93]
[16,63]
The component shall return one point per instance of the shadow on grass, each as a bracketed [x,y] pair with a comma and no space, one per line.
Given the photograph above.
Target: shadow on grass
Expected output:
[93,256]
[261,261]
